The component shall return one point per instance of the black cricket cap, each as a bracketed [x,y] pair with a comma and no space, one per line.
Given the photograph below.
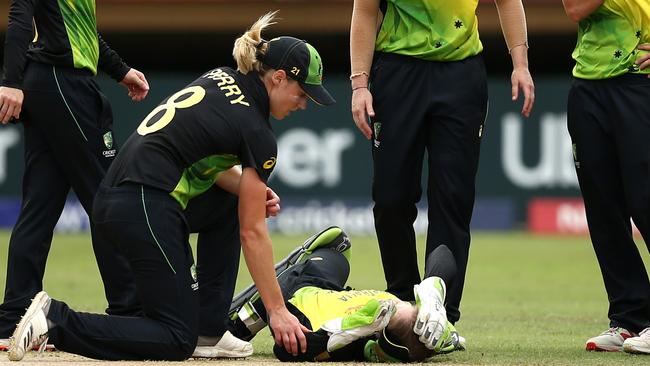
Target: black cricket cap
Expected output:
[392,349]
[301,62]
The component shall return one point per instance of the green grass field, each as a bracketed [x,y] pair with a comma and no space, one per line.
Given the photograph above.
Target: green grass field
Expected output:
[528,299]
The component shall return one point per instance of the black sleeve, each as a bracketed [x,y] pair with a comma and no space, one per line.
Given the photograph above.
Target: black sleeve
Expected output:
[19,34]
[259,151]
[110,62]
[317,350]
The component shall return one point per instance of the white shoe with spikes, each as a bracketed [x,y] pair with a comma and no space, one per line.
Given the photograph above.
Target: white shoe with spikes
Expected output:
[32,331]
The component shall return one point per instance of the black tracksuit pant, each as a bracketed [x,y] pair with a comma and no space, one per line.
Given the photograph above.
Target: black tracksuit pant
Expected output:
[440,108]
[149,227]
[65,118]
[609,123]
[213,215]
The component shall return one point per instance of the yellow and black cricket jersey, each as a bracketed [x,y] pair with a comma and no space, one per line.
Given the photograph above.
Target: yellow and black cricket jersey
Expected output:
[218,121]
[609,37]
[56,32]
[433,30]
[320,305]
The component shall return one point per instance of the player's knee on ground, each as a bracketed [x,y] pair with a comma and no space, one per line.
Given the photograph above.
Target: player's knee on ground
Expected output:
[182,347]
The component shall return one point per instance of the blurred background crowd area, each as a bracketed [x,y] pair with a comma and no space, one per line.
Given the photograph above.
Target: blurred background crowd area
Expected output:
[526,178]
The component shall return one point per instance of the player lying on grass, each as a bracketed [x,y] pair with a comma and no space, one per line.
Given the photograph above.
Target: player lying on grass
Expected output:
[362,325]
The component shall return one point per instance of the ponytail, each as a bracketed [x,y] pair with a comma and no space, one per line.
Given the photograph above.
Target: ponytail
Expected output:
[251,43]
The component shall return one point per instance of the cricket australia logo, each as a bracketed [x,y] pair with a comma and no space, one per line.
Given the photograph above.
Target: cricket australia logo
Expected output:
[108,142]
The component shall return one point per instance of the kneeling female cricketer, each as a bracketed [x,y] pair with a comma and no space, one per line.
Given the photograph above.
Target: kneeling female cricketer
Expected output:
[195,139]
[346,324]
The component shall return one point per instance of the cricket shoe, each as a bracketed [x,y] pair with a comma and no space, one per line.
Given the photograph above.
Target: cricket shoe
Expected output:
[610,340]
[228,346]
[4,346]
[638,344]
[32,331]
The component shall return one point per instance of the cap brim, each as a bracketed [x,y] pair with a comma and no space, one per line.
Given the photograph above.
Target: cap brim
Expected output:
[392,349]
[318,94]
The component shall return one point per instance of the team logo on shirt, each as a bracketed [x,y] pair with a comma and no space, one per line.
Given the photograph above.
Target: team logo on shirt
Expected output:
[269,163]
[108,142]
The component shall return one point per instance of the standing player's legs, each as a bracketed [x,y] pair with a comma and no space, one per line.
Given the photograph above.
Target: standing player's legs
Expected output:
[149,227]
[400,102]
[214,216]
[630,112]
[454,134]
[44,192]
[599,174]
[76,119]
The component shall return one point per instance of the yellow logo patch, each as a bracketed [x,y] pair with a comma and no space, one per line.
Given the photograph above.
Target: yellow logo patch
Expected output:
[269,163]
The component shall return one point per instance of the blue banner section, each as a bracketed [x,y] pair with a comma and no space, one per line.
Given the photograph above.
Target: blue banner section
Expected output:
[299,217]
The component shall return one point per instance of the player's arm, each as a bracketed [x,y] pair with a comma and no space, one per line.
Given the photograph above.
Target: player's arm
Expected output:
[17,39]
[111,63]
[363,30]
[513,24]
[577,10]
[229,181]
[258,253]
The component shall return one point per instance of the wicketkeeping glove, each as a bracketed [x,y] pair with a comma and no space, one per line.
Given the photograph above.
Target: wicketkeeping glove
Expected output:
[371,318]
[431,324]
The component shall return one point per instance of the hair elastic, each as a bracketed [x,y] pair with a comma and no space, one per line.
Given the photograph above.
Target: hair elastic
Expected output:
[258,53]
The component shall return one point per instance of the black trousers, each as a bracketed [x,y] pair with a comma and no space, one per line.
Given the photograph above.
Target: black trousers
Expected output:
[440,108]
[148,226]
[68,144]
[609,124]
[214,216]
